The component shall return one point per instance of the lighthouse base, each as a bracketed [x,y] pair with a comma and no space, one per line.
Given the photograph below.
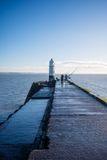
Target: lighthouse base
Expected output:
[51,78]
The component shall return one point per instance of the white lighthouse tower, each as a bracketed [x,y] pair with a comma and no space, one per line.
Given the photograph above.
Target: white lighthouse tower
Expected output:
[51,70]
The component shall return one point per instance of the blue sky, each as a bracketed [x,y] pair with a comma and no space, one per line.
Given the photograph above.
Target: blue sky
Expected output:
[33,31]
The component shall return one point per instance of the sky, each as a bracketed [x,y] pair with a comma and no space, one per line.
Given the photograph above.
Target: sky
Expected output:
[72,31]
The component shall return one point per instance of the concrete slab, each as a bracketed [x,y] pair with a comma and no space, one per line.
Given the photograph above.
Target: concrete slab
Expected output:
[44,93]
[20,131]
[77,128]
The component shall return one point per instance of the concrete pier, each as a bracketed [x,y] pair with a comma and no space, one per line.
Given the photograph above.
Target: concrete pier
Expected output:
[77,127]
[23,130]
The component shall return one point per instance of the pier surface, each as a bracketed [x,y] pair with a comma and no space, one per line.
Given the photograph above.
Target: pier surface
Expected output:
[77,127]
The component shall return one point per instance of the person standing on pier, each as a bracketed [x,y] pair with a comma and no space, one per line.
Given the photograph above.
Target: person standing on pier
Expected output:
[66,77]
[62,78]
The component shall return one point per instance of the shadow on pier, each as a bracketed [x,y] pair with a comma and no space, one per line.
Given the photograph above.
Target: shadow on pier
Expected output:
[25,129]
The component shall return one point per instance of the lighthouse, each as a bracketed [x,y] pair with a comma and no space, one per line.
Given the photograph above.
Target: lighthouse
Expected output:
[51,70]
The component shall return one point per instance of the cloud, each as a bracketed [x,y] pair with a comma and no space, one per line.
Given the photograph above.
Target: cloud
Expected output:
[81,67]
[63,67]
[90,63]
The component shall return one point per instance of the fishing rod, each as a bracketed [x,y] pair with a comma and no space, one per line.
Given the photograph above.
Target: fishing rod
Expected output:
[75,69]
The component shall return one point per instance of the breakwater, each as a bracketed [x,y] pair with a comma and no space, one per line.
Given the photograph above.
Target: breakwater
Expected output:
[51,133]
[76,127]
[24,129]
[98,98]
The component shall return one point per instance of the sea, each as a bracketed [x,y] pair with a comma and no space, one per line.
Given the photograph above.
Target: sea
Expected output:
[14,88]
[95,83]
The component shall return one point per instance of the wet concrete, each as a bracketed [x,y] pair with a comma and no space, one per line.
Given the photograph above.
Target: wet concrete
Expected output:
[43,93]
[77,128]
[18,134]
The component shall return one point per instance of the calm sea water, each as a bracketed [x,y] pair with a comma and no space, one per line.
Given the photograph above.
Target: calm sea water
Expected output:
[14,88]
[96,84]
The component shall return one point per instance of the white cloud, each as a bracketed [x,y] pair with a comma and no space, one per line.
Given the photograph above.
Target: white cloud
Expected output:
[99,63]
[81,67]
[63,67]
